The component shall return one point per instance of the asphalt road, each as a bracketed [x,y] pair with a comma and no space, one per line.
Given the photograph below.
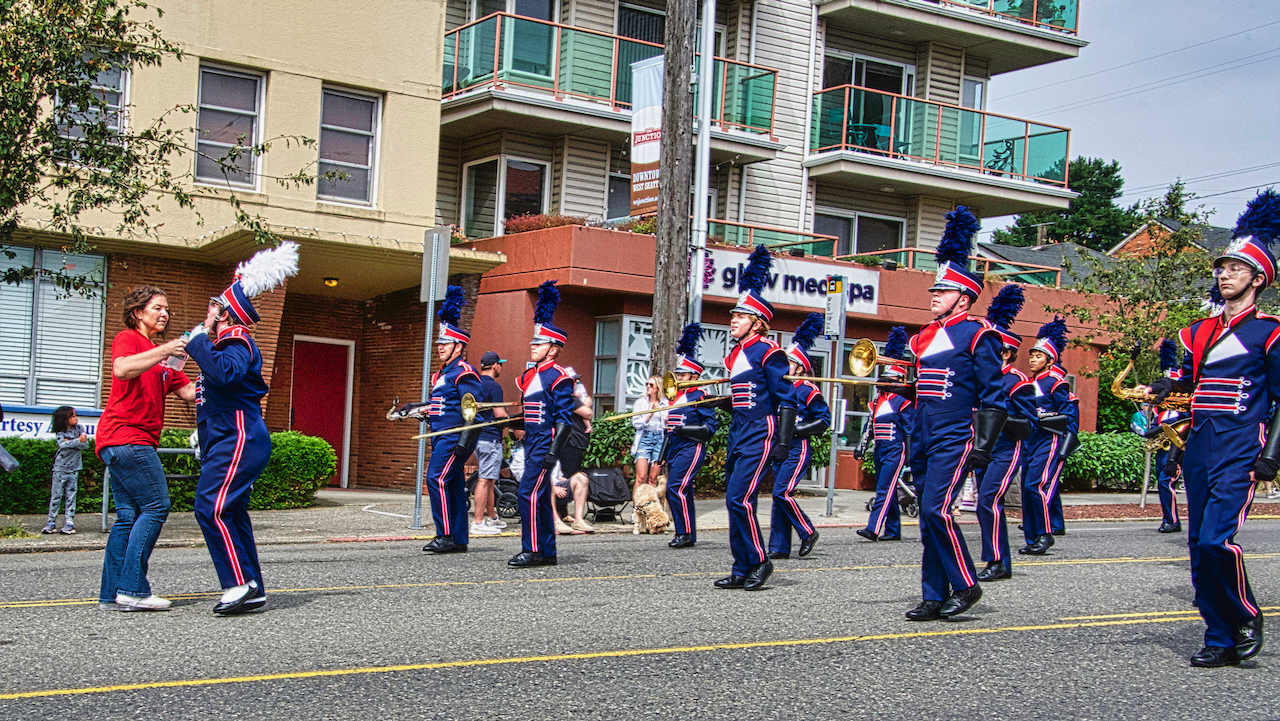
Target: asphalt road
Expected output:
[625,628]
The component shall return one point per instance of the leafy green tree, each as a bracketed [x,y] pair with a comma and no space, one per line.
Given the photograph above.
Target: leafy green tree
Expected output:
[64,154]
[1093,219]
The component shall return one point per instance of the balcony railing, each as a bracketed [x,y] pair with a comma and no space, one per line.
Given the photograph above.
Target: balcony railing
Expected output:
[1057,15]
[727,232]
[922,259]
[848,117]
[503,50]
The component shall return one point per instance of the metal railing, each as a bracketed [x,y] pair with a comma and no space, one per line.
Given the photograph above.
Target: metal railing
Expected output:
[848,117]
[922,259]
[106,480]
[1060,15]
[727,232]
[504,50]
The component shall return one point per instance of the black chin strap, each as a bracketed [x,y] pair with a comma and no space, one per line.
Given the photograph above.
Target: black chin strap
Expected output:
[950,310]
[1247,288]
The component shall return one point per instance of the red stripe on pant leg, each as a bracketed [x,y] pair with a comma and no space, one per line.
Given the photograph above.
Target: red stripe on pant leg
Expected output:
[682,493]
[791,487]
[891,496]
[997,505]
[1046,479]
[950,522]
[222,498]
[444,500]
[755,481]
[533,511]
[1239,555]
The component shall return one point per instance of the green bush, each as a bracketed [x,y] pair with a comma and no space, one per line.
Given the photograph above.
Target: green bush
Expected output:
[1107,460]
[299,466]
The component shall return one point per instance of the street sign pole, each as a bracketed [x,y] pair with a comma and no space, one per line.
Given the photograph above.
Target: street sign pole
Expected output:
[833,329]
[434,279]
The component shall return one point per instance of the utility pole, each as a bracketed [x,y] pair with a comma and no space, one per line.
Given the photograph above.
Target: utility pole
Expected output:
[671,262]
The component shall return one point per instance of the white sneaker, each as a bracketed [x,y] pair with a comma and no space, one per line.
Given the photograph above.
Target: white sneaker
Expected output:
[495,522]
[483,529]
[150,603]
[1273,494]
[110,607]
[235,593]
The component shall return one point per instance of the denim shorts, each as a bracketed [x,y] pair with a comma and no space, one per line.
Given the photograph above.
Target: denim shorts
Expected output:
[489,456]
[650,446]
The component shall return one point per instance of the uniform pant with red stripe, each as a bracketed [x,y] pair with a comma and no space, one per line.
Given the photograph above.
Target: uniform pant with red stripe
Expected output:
[234,448]
[447,488]
[684,459]
[1041,448]
[886,518]
[946,565]
[1057,522]
[787,513]
[993,482]
[1216,469]
[1164,487]
[745,466]
[537,527]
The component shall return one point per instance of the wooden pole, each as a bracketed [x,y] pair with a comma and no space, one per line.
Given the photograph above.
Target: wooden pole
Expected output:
[671,264]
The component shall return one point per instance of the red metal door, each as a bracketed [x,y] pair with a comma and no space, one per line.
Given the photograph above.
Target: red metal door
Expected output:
[319,400]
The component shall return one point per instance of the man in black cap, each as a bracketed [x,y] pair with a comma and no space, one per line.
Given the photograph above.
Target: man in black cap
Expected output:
[489,448]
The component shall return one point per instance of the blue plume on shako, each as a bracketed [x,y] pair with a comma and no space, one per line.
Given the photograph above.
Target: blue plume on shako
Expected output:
[548,301]
[451,309]
[1261,217]
[808,331]
[1168,355]
[896,346]
[1005,306]
[1056,331]
[756,274]
[1215,295]
[688,345]
[957,239]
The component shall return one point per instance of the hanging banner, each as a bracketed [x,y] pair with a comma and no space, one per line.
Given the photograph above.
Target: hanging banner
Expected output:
[646,134]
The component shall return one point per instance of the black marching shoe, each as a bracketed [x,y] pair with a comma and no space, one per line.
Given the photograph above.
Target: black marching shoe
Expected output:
[1215,657]
[1060,533]
[528,559]
[1169,528]
[732,581]
[681,540]
[806,546]
[435,543]
[995,571]
[236,600]
[961,601]
[1039,548]
[869,535]
[779,555]
[757,576]
[890,538]
[448,545]
[1249,638]
[926,611]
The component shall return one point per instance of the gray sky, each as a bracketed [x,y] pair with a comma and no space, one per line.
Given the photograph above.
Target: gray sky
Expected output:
[1224,116]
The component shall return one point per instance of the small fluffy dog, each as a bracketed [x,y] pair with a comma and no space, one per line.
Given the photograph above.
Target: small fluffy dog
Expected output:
[649,513]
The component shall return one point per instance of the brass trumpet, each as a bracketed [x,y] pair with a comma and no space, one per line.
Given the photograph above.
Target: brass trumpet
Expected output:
[864,358]
[672,387]
[470,407]
[1174,401]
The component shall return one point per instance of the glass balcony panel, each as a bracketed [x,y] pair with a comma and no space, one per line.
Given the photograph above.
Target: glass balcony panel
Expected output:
[1047,153]
[476,57]
[585,60]
[1004,145]
[527,53]
[1054,14]
[829,113]
[916,128]
[450,62]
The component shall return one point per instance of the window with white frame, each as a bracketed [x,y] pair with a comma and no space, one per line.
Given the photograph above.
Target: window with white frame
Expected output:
[973,95]
[230,117]
[348,142]
[548,10]
[51,341]
[622,358]
[110,86]
[844,68]
[497,189]
[860,232]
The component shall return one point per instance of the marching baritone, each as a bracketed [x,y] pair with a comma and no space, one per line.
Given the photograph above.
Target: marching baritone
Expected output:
[1168,461]
[446,482]
[1232,370]
[1045,447]
[813,417]
[961,412]
[689,430]
[892,419]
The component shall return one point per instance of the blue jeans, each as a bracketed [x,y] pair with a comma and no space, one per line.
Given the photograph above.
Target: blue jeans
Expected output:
[142,506]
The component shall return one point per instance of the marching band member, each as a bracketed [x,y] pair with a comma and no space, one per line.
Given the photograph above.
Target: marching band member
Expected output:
[1232,367]
[548,402]
[891,422]
[1009,456]
[1169,521]
[1070,444]
[446,482]
[685,447]
[764,416]
[1044,447]
[813,418]
[234,442]
[962,409]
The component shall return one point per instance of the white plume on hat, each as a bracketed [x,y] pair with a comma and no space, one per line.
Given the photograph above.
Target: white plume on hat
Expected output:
[268,268]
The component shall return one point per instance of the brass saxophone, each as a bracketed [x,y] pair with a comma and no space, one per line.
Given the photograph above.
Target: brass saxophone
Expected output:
[1171,435]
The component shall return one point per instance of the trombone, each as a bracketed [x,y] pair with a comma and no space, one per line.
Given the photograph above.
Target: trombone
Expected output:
[672,387]
[864,358]
[847,381]
[662,409]
[469,409]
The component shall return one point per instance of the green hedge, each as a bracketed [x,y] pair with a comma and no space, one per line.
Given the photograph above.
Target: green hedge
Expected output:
[299,466]
[1106,460]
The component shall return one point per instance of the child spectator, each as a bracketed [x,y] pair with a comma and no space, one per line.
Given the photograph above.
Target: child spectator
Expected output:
[66,467]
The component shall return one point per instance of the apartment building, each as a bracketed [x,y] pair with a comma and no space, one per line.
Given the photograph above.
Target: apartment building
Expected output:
[344,338]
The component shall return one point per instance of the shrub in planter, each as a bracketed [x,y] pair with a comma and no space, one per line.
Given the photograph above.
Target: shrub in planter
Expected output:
[1106,460]
[538,221]
[647,225]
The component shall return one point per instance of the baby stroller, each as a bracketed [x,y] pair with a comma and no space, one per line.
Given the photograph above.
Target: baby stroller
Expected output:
[907,500]
[504,490]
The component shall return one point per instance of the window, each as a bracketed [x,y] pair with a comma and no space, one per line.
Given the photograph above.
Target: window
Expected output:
[972,95]
[348,140]
[841,68]
[860,232]
[230,103]
[536,9]
[524,190]
[622,342]
[110,87]
[619,196]
[51,343]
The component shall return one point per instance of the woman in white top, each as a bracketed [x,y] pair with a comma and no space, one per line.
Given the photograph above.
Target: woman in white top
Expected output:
[650,428]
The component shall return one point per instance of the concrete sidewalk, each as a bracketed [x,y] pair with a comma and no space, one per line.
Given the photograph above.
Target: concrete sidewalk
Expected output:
[370,515]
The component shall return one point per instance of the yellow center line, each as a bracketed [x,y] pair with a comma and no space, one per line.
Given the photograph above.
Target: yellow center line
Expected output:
[53,603]
[1190,612]
[471,663]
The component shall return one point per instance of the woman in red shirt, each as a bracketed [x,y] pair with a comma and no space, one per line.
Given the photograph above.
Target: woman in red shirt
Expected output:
[128,434]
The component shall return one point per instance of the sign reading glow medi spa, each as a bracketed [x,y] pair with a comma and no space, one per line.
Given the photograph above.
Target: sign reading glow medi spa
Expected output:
[793,282]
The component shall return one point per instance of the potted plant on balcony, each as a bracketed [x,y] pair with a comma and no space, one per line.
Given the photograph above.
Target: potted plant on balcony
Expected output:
[539,221]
